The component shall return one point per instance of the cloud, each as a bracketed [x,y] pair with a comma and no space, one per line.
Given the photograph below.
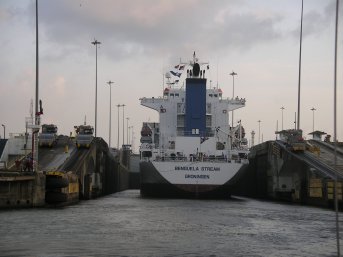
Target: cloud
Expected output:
[10,11]
[129,28]
[139,39]
[315,21]
[59,86]
[4,15]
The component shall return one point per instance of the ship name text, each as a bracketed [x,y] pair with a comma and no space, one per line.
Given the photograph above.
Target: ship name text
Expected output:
[191,168]
[197,176]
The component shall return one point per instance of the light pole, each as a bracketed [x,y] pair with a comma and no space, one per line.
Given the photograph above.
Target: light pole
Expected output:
[127,130]
[252,138]
[335,131]
[118,105]
[109,136]
[36,124]
[123,105]
[299,78]
[37,67]
[313,109]
[4,130]
[282,108]
[96,43]
[130,132]
[259,130]
[233,74]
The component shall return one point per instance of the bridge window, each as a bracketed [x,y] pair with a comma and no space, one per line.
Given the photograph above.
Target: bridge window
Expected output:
[195,131]
[209,110]
[146,154]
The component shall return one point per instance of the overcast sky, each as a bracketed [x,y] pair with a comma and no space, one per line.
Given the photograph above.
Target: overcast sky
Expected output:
[141,40]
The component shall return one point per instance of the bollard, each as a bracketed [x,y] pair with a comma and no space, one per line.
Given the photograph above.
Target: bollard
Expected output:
[66,149]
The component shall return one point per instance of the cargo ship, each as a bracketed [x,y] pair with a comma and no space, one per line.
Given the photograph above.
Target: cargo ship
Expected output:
[192,152]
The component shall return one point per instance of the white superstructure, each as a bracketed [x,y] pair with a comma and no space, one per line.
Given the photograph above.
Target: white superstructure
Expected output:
[193,142]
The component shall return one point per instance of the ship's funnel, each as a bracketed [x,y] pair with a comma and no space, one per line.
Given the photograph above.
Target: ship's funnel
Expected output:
[196,70]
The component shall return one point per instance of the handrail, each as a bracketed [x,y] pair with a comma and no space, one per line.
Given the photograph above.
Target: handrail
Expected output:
[197,159]
[201,134]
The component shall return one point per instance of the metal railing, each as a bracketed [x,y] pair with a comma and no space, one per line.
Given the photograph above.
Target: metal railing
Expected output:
[201,134]
[151,100]
[197,159]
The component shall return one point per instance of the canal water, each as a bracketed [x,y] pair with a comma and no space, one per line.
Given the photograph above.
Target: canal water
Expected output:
[124,224]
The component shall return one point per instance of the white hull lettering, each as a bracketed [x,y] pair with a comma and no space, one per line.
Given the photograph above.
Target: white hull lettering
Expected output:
[197,176]
[191,168]
[210,168]
[186,168]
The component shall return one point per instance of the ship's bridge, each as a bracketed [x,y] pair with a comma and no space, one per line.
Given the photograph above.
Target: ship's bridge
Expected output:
[178,95]
[215,95]
[235,103]
[153,103]
[172,93]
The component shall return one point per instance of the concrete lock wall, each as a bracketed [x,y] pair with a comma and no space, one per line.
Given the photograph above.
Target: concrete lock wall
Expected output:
[99,173]
[105,173]
[274,173]
[252,182]
[18,190]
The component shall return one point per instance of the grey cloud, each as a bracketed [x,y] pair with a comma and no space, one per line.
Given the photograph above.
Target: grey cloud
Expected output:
[243,31]
[70,23]
[314,22]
